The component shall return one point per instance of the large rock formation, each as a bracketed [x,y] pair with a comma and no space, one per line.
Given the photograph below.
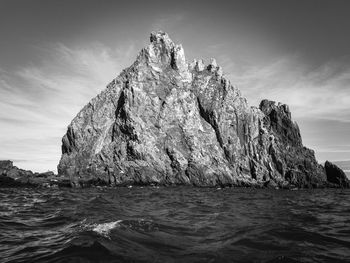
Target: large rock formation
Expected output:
[164,121]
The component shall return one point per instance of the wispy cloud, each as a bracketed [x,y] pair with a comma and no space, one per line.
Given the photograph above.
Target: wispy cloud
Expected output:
[168,22]
[37,102]
[321,92]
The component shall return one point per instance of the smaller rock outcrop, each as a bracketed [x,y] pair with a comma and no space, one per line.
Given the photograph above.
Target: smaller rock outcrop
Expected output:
[12,176]
[294,162]
[336,176]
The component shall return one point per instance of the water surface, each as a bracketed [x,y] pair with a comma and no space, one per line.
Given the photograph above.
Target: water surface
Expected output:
[176,224]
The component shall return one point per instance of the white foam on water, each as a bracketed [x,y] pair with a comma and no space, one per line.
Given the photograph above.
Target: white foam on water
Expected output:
[38,200]
[105,228]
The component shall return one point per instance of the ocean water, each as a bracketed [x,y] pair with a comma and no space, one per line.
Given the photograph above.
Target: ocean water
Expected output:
[175,224]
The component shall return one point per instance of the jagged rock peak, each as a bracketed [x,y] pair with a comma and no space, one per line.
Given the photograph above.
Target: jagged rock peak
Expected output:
[281,121]
[164,121]
[162,38]
[267,106]
[163,53]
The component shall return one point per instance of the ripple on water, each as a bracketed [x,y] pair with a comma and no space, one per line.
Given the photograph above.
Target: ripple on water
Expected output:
[176,224]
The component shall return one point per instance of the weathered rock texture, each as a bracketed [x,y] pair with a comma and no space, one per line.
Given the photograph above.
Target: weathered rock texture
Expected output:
[164,121]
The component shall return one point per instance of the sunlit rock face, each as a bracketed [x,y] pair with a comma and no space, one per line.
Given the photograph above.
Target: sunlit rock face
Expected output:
[165,121]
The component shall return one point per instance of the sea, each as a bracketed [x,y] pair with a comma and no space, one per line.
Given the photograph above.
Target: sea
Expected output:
[174,224]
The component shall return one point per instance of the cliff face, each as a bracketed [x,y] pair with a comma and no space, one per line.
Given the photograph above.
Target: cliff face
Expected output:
[164,121]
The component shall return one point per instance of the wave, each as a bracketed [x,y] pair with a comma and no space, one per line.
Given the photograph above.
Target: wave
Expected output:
[174,224]
[105,228]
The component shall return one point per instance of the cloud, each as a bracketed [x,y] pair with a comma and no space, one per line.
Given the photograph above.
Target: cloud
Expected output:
[168,22]
[37,102]
[321,92]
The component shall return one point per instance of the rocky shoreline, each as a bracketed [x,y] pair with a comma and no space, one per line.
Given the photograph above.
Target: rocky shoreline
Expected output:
[12,176]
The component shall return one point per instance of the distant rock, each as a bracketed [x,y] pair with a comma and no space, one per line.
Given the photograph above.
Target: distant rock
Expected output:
[164,121]
[5,165]
[336,176]
[12,176]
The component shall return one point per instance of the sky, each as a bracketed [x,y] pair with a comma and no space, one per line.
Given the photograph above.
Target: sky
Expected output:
[57,55]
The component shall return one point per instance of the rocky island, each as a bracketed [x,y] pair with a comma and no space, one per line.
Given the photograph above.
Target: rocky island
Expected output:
[164,121]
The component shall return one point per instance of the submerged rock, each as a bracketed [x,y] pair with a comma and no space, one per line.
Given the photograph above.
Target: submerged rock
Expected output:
[164,121]
[336,176]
